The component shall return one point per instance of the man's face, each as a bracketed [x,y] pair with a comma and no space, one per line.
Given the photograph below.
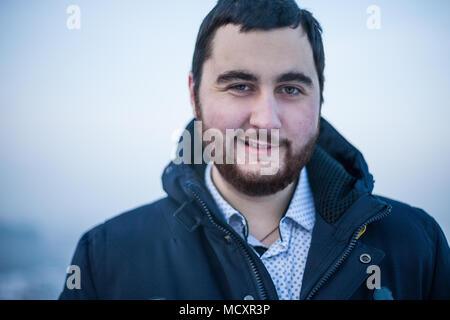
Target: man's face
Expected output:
[262,80]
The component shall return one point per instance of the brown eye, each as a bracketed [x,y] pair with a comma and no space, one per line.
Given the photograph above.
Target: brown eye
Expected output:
[240,87]
[291,91]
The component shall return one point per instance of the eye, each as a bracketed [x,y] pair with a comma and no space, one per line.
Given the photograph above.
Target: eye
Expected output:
[240,88]
[291,91]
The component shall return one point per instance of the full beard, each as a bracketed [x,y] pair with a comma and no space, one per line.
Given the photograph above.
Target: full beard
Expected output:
[257,185]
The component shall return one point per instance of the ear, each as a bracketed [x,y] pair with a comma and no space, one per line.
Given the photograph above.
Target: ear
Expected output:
[191,94]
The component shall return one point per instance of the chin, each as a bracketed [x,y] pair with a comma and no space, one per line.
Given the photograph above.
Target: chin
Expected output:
[254,170]
[254,167]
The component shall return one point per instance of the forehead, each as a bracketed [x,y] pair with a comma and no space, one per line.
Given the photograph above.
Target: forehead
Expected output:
[265,53]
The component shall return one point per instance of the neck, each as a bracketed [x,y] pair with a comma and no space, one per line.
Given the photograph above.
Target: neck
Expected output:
[263,213]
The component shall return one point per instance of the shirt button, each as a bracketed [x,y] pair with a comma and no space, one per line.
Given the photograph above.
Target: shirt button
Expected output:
[365,258]
[249,297]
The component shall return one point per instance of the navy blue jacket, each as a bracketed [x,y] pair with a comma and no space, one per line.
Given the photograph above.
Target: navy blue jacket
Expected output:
[180,247]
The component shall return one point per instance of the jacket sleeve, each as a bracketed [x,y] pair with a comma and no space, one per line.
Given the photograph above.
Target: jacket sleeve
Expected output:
[440,288]
[82,262]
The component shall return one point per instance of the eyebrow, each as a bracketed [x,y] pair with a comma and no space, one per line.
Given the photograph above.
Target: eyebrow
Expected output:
[296,76]
[235,75]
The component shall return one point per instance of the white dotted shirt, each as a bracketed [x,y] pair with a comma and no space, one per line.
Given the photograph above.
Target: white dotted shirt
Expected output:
[285,259]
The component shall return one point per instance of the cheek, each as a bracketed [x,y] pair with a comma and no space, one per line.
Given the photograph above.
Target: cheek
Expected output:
[222,114]
[301,125]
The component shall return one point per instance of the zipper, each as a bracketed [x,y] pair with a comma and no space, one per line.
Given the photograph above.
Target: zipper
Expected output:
[262,292]
[347,251]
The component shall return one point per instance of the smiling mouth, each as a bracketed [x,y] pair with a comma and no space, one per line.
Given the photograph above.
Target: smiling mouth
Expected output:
[259,145]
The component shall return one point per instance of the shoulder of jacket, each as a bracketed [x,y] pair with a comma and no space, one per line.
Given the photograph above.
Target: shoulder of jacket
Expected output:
[411,219]
[148,219]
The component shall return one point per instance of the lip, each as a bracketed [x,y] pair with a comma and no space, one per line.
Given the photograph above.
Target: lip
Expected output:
[257,148]
[256,144]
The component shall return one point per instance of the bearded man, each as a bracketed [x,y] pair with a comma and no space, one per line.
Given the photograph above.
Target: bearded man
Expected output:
[311,229]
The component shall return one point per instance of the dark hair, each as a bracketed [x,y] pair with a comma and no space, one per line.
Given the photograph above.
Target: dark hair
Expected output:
[257,15]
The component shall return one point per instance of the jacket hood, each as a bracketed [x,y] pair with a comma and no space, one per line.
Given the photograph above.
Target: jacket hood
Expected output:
[337,173]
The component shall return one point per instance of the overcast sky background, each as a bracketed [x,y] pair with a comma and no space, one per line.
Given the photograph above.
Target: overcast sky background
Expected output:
[86,116]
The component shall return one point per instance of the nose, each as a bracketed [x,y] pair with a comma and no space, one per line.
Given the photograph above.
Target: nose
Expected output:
[265,112]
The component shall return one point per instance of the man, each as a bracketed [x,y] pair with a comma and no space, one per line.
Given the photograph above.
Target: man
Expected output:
[311,229]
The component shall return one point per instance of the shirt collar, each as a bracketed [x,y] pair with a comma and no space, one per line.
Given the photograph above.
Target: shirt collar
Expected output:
[226,209]
[301,208]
